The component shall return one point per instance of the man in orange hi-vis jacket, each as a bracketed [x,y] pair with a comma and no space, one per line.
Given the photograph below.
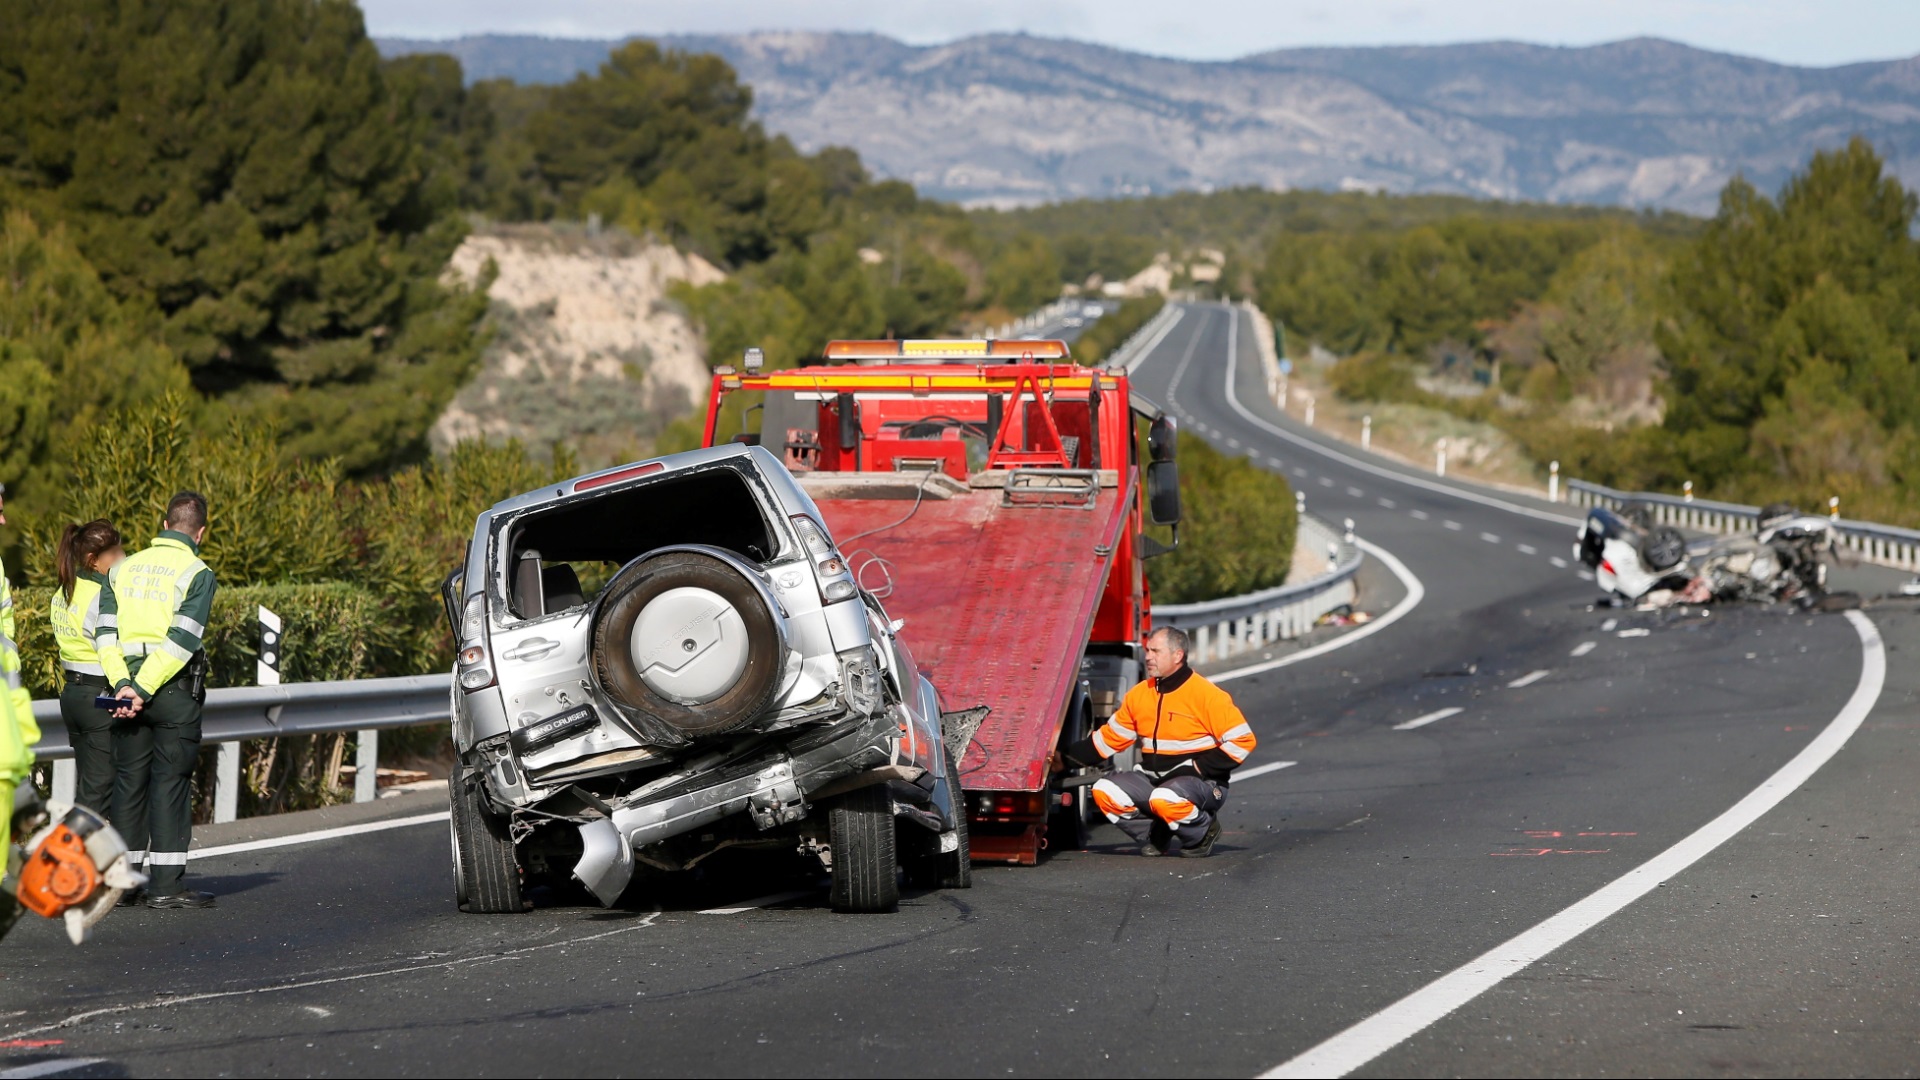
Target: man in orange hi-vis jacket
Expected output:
[1191,737]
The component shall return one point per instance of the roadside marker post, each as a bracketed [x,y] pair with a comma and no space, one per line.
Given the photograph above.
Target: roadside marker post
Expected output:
[1440,457]
[1366,433]
[1553,482]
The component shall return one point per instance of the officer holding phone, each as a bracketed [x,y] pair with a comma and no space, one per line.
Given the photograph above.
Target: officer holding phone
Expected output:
[153,615]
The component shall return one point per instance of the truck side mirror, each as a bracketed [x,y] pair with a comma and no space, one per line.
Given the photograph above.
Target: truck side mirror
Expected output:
[849,410]
[1163,493]
[1161,435]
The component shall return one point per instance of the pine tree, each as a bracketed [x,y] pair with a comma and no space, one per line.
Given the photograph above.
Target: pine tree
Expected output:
[243,168]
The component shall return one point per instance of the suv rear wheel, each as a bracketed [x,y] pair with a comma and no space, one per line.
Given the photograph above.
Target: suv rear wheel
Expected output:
[686,638]
[486,875]
[865,861]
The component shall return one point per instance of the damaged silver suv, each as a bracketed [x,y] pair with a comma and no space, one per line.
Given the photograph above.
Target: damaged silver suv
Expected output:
[667,659]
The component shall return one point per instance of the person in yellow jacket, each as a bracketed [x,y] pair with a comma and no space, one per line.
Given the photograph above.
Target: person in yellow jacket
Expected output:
[18,732]
[153,615]
[85,555]
[1191,735]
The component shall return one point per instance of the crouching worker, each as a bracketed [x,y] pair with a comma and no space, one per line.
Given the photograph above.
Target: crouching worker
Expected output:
[1191,737]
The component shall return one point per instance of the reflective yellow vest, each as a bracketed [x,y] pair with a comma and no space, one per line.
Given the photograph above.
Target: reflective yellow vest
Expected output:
[156,605]
[18,732]
[74,620]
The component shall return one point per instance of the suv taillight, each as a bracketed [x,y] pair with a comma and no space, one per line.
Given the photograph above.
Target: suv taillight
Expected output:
[836,581]
[475,667]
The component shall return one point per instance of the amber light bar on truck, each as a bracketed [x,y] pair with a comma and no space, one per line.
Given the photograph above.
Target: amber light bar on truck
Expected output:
[948,349]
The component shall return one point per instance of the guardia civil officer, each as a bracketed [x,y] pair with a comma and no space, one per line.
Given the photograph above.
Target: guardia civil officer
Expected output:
[153,615]
[84,557]
[1191,738]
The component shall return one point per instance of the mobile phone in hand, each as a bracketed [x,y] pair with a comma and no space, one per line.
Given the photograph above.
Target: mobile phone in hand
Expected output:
[110,703]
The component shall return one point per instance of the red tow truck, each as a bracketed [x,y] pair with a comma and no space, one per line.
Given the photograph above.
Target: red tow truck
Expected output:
[991,493]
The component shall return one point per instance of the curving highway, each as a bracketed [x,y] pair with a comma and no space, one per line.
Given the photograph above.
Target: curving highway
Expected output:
[1519,836]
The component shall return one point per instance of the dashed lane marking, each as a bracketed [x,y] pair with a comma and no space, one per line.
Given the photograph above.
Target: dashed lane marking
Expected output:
[1557,561]
[1582,649]
[1586,575]
[1527,549]
[1299,472]
[1423,721]
[1490,538]
[1388,503]
[1607,627]
[1638,631]
[1356,493]
[1529,679]
[1454,525]
[1418,515]
[1262,770]
[1326,481]
[1388,1028]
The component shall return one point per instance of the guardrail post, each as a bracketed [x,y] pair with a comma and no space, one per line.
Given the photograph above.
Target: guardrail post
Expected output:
[366,766]
[66,781]
[226,783]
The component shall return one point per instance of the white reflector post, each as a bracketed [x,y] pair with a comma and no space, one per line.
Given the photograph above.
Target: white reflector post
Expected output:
[267,667]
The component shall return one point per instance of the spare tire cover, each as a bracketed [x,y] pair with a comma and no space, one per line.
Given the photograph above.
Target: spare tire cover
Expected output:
[685,638]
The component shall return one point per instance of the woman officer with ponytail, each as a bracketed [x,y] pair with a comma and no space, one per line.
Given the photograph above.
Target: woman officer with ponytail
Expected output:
[85,555]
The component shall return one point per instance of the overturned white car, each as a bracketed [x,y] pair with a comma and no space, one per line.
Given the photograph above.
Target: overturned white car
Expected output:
[663,660]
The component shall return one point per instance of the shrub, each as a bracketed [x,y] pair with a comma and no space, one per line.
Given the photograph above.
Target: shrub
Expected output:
[1238,531]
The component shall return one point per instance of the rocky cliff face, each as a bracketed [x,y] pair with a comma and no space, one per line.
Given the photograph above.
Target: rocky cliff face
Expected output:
[1010,118]
[588,347]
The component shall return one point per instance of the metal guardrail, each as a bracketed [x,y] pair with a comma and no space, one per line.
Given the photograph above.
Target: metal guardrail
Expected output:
[1240,624]
[236,714]
[1131,351]
[1883,545]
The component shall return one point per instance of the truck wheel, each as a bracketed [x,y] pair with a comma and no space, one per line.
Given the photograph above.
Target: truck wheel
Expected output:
[684,637]
[486,874]
[865,864]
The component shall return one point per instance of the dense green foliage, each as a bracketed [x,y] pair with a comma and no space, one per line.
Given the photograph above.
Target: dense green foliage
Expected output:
[1773,355]
[1238,531]
[242,168]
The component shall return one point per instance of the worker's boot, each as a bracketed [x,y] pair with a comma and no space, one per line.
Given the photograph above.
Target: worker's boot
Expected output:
[1159,840]
[1205,847]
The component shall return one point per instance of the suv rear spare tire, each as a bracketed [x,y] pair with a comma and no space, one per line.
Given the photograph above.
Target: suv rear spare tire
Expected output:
[686,638]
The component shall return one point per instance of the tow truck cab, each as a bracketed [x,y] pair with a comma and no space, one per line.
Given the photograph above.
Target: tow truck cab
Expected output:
[992,493]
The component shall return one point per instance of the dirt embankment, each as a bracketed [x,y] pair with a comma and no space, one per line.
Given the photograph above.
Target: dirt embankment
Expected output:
[588,348]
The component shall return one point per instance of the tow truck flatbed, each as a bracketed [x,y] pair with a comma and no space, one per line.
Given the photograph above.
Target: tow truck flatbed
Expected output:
[991,591]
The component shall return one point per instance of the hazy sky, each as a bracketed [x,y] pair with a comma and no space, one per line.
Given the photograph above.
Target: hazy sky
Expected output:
[1789,31]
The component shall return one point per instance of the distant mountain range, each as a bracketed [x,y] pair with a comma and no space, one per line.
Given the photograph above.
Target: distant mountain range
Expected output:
[1007,119]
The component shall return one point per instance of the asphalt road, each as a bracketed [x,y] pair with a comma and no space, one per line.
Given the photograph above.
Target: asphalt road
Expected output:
[1388,856]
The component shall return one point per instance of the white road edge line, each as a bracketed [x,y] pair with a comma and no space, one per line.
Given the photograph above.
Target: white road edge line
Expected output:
[50,1067]
[1146,350]
[1388,1028]
[1233,401]
[1262,770]
[1416,592]
[1423,721]
[1529,679]
[1583,648]
[316,836]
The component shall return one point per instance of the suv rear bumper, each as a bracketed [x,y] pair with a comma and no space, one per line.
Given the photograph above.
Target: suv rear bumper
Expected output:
[772,788]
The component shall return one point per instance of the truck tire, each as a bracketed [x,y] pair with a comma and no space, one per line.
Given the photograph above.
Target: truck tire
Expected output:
[865,863]
[719,675]
[486,875]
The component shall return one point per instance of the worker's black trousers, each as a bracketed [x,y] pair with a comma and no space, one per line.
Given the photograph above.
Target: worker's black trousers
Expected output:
[91,732]
[154,755]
